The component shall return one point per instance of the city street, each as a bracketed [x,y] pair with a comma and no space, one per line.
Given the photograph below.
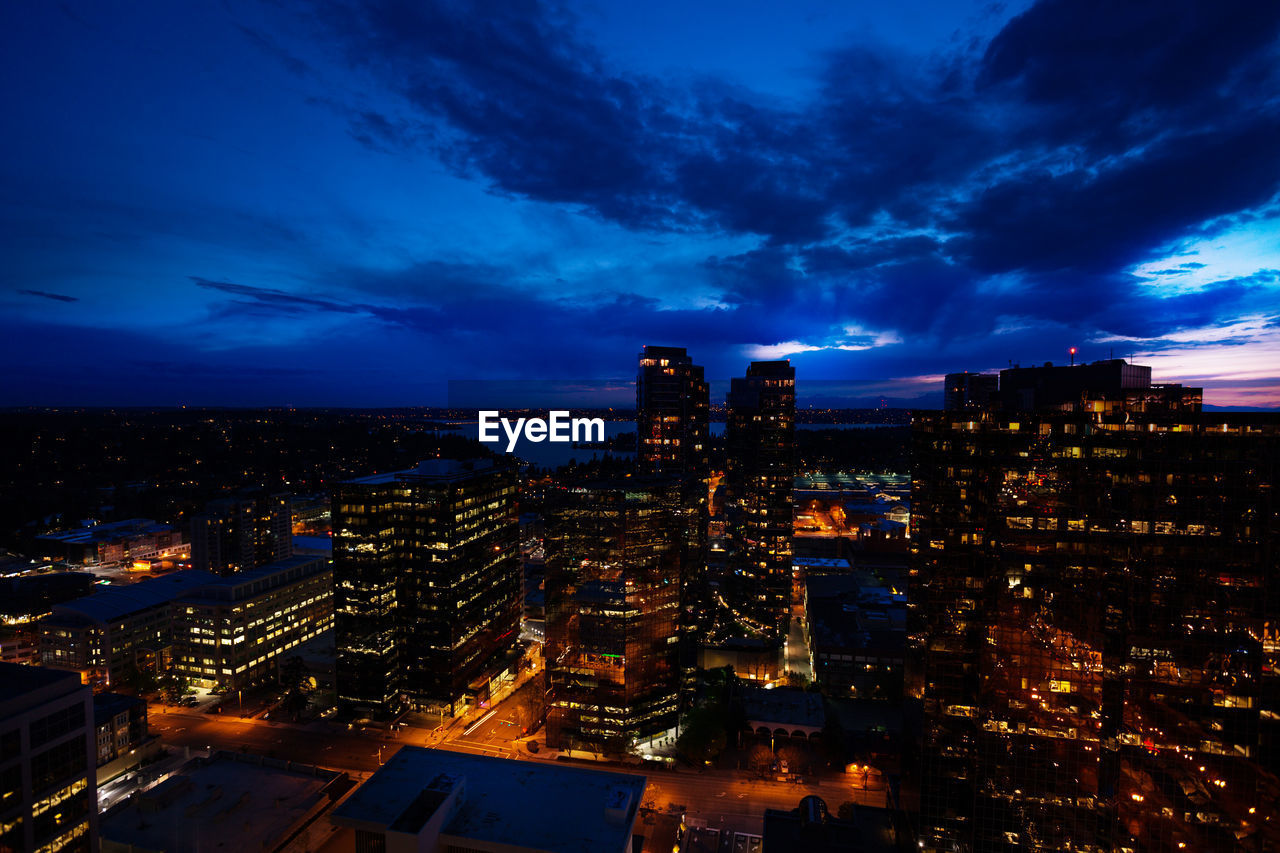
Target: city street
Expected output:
[723,798]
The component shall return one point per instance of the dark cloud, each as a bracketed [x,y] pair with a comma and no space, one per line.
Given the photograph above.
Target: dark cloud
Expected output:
[1075,144]
[44,294]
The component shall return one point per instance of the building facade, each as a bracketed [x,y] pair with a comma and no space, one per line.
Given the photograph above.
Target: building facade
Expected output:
[48,787]
[217,631]
[760,477]
[613,580]
[1092,620]
[240,533]
[232,634]
[427,581]
[673,406]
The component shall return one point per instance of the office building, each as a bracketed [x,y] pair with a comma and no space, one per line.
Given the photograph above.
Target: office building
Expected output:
[673,406]
[761,473]
[48,791]
[613,578]
[113,637]
[242,532]
[969,390]
[232,634]
[219,632]
[1092,618]
[427,582]
[433,801]
[673,409]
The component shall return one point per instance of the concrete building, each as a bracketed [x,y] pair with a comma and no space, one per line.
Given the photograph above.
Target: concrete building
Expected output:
[48,791]
[218,631]
[112,634]
[969,390]
[231,634]
[433,801]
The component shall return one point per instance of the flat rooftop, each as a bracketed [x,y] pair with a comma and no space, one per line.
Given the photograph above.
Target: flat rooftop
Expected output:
[784,706]
[119,601]
[222,803]
[550,807]
[18,680]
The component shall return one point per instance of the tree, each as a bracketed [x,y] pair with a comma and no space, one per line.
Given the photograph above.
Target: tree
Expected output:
[704,736]
[760,758]
[529,703]
[296,681]
[173,687]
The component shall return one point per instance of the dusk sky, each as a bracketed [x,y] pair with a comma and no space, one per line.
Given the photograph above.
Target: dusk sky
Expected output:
[350,204]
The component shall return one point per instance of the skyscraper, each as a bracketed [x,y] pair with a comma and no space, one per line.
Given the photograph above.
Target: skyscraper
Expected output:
[242,532]
[673,410]
[760,478]
[613,555]
[1092,618]
[426,584]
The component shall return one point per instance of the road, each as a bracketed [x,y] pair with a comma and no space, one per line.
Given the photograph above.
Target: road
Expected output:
[724,798]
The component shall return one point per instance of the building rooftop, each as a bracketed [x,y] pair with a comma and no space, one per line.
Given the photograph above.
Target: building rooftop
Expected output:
[545,807]
[117,602]
[226,802]
[91,534]
[783,706]
[18,680]
[108,705]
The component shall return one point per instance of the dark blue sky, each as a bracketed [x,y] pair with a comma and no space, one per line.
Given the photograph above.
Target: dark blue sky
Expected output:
[348,204]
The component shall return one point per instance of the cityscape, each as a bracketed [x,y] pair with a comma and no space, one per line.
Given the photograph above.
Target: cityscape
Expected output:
[568,428]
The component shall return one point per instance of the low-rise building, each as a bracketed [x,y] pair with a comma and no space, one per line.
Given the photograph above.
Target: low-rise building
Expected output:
[48,792]
[855,628]
[113,542]
[433,801]
[217,631]
[109,636]
[229,634]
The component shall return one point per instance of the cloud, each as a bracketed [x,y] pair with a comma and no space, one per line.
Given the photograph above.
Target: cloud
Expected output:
[44,294]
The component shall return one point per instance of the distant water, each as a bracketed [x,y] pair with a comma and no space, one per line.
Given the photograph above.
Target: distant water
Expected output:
[546,454]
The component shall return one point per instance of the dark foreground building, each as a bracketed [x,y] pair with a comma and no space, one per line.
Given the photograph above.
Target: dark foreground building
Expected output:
[48,790]
[426,584]
[761,473]
[613,603]
[1093,608]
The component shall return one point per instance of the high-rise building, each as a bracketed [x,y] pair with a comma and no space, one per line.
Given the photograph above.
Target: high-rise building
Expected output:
[673,406]
[1092,618]
[427,584]
[760,478]
[239,533]
[673,410]
[613,555]
[48,751]
[969,390]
